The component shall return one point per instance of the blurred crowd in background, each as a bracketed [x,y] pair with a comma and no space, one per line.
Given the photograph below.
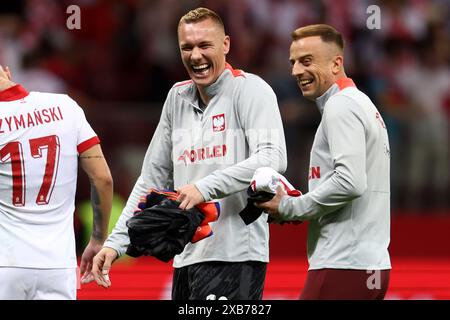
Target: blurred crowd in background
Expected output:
[120,65]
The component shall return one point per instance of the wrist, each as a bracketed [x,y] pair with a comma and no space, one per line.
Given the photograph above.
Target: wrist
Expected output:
[282,205]
[203,192]
[98,239]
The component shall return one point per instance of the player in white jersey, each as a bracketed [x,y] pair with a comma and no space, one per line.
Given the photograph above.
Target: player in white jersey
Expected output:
[215,130]
[43,136]
[348,203]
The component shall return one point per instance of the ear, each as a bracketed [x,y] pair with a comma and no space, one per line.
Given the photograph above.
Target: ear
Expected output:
[337,64]
[226,45]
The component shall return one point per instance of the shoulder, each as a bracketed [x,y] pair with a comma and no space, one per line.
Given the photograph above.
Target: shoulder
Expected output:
[181,86]
[55,97]
[184,88]
[345,103]
[61,100]
[254,84]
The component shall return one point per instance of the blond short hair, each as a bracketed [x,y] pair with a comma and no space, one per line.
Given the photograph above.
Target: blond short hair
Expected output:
[201,14]
[326,32]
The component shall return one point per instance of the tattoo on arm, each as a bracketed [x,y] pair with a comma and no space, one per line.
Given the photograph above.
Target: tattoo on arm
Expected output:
[98,217]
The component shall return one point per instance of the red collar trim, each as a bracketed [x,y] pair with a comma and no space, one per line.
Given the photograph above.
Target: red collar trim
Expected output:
[345,83]
[183,83]
[14,93]
[234,72]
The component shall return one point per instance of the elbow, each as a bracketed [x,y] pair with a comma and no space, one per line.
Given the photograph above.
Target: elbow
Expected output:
[279,163]
[105,180]
[108,181]
[351,188]
[351,183]
[357,189]
[273,158]
[282,165]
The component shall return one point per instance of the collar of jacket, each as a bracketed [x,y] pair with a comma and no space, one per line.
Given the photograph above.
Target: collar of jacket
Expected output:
[339,85]
[190,92]
[15,92]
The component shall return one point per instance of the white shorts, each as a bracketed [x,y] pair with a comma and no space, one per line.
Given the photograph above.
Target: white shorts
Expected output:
[38,284]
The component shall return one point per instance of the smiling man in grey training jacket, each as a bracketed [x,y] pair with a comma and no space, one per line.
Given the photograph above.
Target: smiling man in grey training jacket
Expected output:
[348,203]
[215,130]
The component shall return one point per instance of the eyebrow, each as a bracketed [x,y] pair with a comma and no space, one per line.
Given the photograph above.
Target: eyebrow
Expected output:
[309,55]
[301,58]
[205,43]
[190,44]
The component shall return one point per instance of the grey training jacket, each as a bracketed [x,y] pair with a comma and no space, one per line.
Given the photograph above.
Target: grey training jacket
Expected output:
[348,203]
[218,150]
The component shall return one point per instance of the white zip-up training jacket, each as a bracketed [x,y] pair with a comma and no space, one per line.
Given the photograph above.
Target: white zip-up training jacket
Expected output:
[218,149]
[348,203]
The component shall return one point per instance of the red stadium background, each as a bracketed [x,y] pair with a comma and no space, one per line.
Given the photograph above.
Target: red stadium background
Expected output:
[121,62]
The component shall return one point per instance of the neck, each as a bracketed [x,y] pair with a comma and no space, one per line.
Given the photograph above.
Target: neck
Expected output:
[203,95]
[339,76]
[336,78]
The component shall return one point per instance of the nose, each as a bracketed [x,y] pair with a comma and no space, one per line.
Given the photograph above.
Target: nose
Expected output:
[297,69]
[196,54]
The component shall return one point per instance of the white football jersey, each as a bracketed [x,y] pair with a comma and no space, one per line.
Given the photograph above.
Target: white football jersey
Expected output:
[41,135]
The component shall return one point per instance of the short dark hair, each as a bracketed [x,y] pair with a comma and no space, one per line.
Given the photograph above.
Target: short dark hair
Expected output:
[201,14]
[326,32]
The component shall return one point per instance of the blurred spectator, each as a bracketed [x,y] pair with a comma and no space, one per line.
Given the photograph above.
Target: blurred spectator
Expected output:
[426,85]
[34,76]
[125,57]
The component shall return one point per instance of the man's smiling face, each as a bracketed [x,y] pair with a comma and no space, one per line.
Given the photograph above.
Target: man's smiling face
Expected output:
[313,63]
[203,46]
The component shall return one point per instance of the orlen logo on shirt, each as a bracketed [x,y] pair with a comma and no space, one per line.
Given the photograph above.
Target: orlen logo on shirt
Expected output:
[314,173]
[218,122]
[203,153]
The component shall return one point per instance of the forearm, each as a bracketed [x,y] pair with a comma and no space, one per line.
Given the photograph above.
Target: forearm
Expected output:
[94,164]
[101,200]
[327,198]
[222,183]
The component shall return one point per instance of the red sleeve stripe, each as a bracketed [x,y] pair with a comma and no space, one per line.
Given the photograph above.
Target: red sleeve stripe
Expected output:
[82,147]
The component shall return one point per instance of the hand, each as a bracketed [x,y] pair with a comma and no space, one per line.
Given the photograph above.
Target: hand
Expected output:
[93,247]
[189,196]
[271,206]
[101,266]
[5,79]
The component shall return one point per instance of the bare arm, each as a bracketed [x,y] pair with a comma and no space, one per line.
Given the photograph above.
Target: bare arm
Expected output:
[94,164]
